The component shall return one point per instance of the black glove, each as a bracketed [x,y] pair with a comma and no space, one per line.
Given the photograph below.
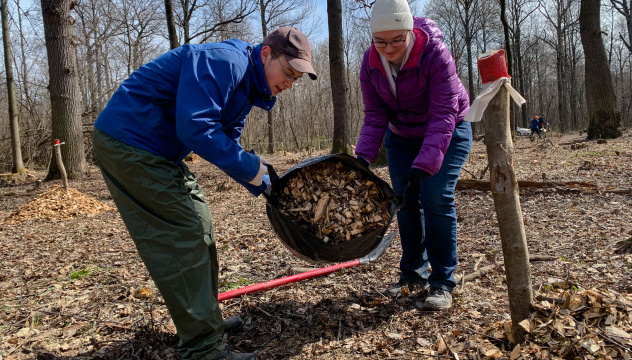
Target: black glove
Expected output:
[412,180]
[364,162]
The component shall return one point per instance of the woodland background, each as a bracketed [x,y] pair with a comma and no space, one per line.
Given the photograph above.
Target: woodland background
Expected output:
[112,38]
[73,287]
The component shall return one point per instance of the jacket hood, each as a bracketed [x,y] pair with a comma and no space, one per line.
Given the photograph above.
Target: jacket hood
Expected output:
[429,26]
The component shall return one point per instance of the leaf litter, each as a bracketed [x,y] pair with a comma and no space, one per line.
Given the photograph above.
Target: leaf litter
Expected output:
[75,288]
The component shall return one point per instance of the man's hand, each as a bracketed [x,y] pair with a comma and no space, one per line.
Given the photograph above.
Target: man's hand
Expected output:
[266,184]
[263,170]
[412,180]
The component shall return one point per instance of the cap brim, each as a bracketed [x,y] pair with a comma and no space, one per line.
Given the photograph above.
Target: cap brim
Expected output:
[303,66]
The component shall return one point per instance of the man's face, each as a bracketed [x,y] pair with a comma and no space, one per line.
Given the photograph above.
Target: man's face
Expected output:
[392,44]
[279,74]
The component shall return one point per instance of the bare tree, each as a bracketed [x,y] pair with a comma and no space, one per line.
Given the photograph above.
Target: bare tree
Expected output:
[30,82]
[563,19]
[140,24]
[97,24]
[519,11]
[605,118]
[509,54]
[216,16]
[445,13]
[276,13]
[339,90]
[624,7]
[63,87]
[467,13]
[171,25]
[16,148]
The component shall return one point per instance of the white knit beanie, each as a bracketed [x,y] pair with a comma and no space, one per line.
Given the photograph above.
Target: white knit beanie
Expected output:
[387,15]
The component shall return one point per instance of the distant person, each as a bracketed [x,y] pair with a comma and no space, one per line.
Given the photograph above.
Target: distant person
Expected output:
[415,102]
[542,124]
[535,127]
[193,98]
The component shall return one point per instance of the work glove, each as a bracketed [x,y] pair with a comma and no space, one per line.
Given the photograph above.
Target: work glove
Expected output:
[364,162]
[263,170]
[412,180]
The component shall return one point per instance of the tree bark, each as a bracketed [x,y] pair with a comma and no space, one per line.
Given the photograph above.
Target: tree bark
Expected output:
[63,87]
[16,147]
[171,25]
[516,11]
[504,188]
[341,137]
[509,55]
[264,30]
[601,101]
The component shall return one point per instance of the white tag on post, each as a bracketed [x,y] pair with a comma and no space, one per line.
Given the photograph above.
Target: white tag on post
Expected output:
[489,91]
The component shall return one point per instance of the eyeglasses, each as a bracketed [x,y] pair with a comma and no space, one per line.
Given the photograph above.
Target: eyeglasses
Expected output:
[288,76]
[395,43]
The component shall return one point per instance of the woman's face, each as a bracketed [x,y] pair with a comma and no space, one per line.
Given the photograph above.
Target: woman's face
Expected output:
[392,44]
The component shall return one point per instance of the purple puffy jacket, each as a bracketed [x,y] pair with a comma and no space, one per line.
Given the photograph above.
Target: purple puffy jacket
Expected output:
[430,99]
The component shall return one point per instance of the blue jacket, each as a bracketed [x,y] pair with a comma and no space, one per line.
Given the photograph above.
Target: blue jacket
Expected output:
[535,124]
[193,98]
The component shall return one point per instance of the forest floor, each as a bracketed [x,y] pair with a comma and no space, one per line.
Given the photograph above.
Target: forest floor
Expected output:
[72,285]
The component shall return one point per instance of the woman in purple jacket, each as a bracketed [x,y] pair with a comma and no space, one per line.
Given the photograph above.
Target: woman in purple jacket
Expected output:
[415,102]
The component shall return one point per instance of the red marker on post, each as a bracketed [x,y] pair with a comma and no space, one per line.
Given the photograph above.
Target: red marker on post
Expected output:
[493,70]
[492,66]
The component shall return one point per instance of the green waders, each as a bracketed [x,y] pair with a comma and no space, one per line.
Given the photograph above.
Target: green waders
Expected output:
[167,217]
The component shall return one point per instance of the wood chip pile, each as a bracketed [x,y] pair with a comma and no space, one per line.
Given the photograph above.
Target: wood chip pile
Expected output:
[57,204]
[333,202]
[588,324]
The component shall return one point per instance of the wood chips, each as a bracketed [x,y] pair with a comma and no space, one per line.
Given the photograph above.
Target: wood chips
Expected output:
[577,324]
[57,204]
[333,202]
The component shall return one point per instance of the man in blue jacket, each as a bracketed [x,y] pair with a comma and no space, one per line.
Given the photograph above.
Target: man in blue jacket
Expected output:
[193,98]
[535,127]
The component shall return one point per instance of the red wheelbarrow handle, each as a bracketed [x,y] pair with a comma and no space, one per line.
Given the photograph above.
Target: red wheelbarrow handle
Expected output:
[374,255]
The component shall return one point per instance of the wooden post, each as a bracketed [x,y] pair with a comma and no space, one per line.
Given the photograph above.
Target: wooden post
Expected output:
[504,188]
[60,163]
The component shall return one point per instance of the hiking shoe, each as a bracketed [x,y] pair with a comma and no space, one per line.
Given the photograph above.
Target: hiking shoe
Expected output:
[230,355]
[438,299]
[233,325]
[403,287]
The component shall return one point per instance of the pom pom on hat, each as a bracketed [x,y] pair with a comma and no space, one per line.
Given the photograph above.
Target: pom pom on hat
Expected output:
[387,15]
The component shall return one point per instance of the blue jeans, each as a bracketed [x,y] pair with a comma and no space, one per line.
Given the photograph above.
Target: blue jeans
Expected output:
[427,221]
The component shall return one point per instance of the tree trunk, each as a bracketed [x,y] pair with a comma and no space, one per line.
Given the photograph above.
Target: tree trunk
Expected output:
[16,147]
[171,25]
[264,30]
[63,87]
[28,101]
[601,100]
[509,55]
[341,138]
[561,91]
[504,188]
